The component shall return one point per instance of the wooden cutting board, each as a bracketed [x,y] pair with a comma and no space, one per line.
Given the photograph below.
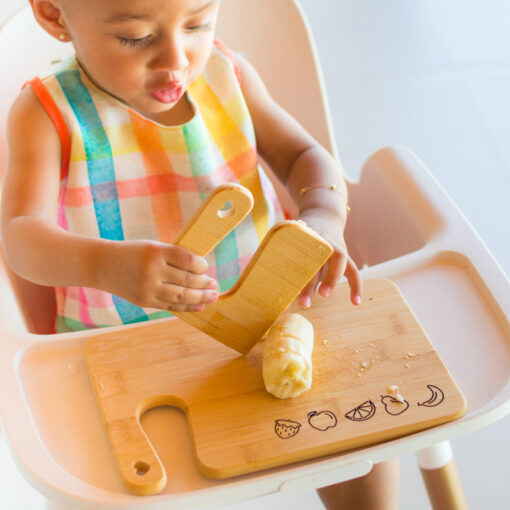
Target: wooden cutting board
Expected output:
[236,426]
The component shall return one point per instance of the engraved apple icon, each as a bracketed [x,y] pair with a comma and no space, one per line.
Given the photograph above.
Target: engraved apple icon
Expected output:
[322,420]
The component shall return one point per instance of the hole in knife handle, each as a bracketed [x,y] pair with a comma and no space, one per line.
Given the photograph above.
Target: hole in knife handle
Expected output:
[142,468]
[226,210]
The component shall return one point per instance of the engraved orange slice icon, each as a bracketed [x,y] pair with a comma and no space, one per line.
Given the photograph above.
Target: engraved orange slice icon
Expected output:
[363,412]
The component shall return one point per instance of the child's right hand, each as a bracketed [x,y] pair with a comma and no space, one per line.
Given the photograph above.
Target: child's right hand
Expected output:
[156,275]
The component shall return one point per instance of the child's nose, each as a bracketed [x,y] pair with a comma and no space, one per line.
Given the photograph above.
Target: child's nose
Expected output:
[171,55]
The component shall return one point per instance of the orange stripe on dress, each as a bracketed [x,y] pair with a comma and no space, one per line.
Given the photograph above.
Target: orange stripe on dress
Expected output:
[164,201]
[58,121]
[56,117]
[139,187]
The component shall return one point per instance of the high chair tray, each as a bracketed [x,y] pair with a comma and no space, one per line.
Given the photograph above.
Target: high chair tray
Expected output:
[60,398]
[455,289]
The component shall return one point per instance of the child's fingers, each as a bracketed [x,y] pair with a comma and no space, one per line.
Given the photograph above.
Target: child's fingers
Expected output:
[184,259]
[174,295]
[355,282]
[182,278]
[339,265]
[336,269]
[305,298]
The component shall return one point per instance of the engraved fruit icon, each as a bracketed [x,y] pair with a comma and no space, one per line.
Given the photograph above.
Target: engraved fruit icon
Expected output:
[286,428]
[394,406]
[437,396]
[323,420]
[363,412]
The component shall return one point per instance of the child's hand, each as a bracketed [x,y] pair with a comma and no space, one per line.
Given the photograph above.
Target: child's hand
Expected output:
[156,275]
[330,228]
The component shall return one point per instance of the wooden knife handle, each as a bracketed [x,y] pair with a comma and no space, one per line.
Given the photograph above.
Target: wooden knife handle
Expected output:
[225,207]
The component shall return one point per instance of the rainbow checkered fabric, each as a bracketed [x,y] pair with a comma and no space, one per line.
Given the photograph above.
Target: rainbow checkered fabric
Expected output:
[131,178]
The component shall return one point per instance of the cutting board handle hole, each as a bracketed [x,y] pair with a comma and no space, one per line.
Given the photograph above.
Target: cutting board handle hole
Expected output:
[226,210]
[142,468]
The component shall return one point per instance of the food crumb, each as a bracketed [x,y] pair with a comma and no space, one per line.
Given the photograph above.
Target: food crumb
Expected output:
[411,354]
[363,364]
[407,365]
[393,389]
[326,343]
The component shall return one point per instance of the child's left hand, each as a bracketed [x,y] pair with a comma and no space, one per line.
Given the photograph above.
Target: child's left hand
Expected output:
[329,226]
[302,164]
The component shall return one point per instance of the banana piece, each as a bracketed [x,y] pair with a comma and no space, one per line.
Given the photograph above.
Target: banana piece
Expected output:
[287,356]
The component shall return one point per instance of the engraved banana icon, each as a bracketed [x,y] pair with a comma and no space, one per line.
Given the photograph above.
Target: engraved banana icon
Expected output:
[435,399]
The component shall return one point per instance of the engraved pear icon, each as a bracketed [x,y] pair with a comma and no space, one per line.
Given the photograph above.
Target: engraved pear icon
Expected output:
[393,406]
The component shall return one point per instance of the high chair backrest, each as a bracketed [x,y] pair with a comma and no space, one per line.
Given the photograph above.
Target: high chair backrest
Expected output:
[272,34]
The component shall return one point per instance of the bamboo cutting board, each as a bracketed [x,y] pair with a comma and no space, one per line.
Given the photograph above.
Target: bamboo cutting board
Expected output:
[236,426]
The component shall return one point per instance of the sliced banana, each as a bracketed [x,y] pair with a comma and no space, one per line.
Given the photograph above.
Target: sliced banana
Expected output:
[287,357]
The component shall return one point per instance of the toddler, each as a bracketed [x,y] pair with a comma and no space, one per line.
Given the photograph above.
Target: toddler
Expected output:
[112,150]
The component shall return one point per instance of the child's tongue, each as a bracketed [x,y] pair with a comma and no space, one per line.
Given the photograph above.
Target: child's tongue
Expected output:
[168,95]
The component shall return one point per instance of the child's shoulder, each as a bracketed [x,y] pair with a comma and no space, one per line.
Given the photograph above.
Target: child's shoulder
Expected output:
[28,105]
[28,119]
[35,104]
[25,106]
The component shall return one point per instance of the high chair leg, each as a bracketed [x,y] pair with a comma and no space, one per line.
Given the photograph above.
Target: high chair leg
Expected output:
[441,478]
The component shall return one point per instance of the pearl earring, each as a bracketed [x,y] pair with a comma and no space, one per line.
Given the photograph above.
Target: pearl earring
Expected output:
[62,36]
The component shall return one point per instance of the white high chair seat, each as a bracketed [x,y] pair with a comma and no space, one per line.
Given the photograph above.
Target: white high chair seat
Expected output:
[402,226]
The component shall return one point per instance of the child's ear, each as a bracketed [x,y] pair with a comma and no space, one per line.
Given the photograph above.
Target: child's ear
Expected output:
[49,16]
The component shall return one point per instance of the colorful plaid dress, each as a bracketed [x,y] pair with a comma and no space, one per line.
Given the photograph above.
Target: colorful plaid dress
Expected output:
[125,177]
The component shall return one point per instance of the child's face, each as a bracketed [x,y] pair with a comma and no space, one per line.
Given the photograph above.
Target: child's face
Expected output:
[145,53]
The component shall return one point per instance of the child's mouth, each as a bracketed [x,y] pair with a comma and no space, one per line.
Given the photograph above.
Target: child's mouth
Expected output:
[168,95]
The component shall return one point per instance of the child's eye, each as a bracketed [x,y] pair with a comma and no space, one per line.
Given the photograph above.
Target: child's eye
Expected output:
[200,28]
[134,43]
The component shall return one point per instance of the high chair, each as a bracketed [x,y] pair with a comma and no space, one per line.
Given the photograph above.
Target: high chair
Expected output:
[402,226]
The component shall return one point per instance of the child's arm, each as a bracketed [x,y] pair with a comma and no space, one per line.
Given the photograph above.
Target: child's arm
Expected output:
[144,272]
[300,163]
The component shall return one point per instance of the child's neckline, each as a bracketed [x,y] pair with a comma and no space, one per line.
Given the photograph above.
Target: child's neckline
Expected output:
[86,78]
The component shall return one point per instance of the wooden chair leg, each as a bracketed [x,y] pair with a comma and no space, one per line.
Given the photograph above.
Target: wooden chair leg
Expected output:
[441,478]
